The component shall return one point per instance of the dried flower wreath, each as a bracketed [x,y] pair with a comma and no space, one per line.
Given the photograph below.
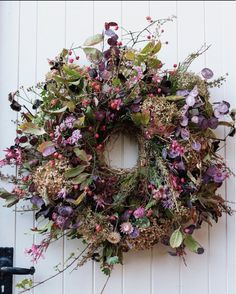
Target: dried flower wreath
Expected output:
[59,149]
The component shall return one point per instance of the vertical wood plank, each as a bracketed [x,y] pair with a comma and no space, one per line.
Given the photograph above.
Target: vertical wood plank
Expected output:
[217,233]
[105,11]
[79,26]
[229,64]
[27,71]
[162,261]
[190,38]
[50,40]
[9,36]
[137,265]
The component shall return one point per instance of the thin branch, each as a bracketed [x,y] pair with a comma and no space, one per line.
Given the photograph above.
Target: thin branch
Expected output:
[56,274]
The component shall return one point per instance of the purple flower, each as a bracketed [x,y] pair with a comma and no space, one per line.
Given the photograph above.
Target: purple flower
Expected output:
[213,123]
[167,203]
[182,93]
[48,151]
[65,211]
[216,174]
[221,109]
[184,121]
[191,98]
[37,201]
[69,121]
[202,122]
[139,212]
[207,73]
[135,233]
[184,134]
[75,137]
[196,146]
[62,193]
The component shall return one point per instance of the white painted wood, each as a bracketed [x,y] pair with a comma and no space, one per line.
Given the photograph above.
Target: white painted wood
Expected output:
[31,32]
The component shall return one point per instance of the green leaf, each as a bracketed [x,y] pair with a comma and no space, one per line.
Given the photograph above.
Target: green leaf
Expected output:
[71,72]
[151,48]
[148,48]
[151,204]
[141,118]
[63,109]
[94,55]
[80,179]
[80,198]
[130,55]
[30,128]
[113,260]
[81,154]
[73,172]
[143,222]
[153,62]
[93,40]
[191,244]
[176,239]
[10,198]
[174,98]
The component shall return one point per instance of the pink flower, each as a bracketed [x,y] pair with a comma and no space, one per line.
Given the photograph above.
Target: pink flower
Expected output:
[126,228]
[116,104]
[139,212]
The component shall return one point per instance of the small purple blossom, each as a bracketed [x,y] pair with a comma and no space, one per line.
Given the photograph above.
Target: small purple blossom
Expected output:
[213,123]
[183,93]
[167,203]
[216,174]
[191,98]
[69,121]
[62,193]
[207,73]
[139,212]
[135,233]
[75,137]
[49,151]
[221,109]
[196,146]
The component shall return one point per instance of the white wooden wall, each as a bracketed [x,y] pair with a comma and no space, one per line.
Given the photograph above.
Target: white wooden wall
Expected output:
[30,32]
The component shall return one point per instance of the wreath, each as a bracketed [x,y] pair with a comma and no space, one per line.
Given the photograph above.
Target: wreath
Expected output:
[60,143]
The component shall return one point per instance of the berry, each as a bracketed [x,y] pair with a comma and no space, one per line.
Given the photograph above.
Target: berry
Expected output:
[70,52]
[60,156]
[98,228]
[77,57]
[149,37]
[175,65]
[54,102]
[90,129]
[55,155]
[71,60]
[97,136]
[159,90]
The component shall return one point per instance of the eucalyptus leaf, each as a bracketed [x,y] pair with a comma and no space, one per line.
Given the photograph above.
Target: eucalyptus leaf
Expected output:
[93,40]
[192,244]
[93,54]
[113,260]
[30,128]
[60,110]
[73,172]
[80,179]
[10,198]
[81,154]
[176,239]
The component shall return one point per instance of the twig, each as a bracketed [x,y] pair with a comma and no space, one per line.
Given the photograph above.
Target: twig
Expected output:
[58,273]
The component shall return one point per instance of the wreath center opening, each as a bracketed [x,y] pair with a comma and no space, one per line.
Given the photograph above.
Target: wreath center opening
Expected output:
[121,151]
